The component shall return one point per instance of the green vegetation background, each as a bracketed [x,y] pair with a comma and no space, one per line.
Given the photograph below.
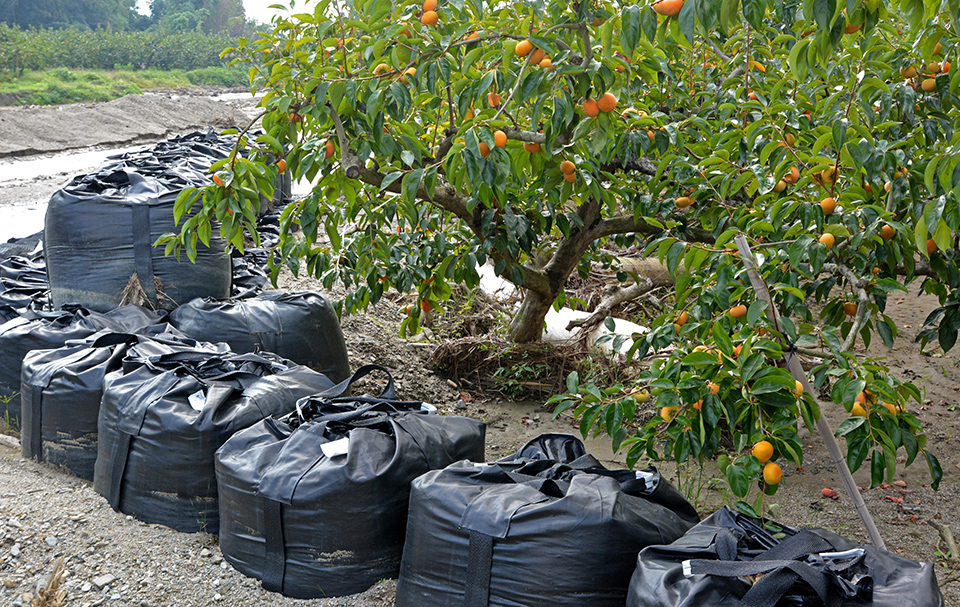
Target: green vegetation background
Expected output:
[57,51]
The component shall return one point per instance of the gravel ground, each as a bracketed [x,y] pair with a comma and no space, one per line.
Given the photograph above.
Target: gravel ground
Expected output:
[114,559]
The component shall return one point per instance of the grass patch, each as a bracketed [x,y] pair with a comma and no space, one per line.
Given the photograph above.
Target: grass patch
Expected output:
[62,85]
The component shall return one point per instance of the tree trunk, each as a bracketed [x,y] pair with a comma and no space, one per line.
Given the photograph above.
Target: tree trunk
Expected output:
[527,325]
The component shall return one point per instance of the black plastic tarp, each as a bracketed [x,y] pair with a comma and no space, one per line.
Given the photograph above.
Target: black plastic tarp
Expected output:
[302,327]
[534,530]
[164,416]
[194,152]
[315,504]
[21,247]
[730,559]
[60,396]
[49,330]
[23,285]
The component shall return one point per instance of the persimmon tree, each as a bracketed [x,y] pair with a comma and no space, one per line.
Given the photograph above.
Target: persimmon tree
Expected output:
[544,137]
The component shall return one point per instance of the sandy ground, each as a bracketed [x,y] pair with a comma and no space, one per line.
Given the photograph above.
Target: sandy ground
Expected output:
[155,566]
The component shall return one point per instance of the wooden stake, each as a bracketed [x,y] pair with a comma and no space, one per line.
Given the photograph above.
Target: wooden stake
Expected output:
[826,432]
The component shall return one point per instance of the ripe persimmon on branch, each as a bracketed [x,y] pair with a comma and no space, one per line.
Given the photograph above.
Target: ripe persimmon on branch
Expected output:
[546,138]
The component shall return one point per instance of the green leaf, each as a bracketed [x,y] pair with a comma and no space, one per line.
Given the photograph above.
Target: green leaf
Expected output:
[630,34]
[700,359]
[912,447]
[648,23]
[673,256]
[728,15]
[840,132]
[857,450]
[772,384]
[722,339]
[751,365]
[876,468]
[390,178]
[687,18]
[930,171]
[799,68]
[707,13]
[823,11]
[936,472]
[943,237]
[745,508]
[738,481]
[846,390]
[849,425]
[920,236]
[410,185]
[753,12]
[755,311]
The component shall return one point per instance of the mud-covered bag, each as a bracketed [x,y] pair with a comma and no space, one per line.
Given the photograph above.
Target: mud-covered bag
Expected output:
[60,396]
[49,330]
[532,530]
[302,327]
[315,504]
[99,235]
[729,560]
[164,416]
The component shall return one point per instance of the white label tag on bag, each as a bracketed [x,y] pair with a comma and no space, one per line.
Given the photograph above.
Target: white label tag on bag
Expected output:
[645,476]
[336,448]
[428,408]
[197,400]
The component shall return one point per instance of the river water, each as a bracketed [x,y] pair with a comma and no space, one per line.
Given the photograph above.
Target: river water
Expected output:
[37,178]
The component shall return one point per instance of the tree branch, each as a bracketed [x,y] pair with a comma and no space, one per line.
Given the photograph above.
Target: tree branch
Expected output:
[446,144]
[890,201]
[587,45]
[618,296]
[946,534]
[641,165]
[348,158]
[857,284]
[716,49]
[531,137]
[628,223]
[445,196]
[513,91]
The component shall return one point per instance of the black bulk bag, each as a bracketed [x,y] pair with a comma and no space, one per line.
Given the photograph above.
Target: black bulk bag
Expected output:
[315,504]
[163,418]
[99,233]
[49,330]
[60,397]
[302,327]
[532,530]
[729,559]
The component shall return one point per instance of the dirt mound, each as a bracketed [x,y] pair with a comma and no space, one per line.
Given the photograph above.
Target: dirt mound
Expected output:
[130,119]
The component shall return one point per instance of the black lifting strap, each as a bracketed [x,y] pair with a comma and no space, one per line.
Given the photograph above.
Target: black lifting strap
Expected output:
[121,451]
[143,250]
[34,441]
[479,561]
[781,571]
[275,557]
